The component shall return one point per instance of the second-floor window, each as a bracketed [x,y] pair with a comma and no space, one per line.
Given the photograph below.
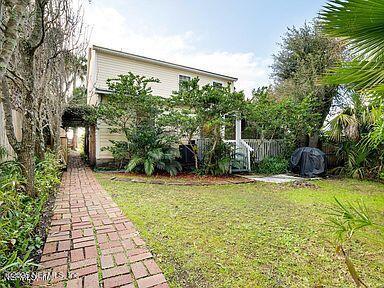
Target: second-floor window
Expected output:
[217,84]
[183,78]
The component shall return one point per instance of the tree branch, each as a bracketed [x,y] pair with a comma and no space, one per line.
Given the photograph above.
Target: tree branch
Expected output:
[38,32]
[17,76]
[10,36]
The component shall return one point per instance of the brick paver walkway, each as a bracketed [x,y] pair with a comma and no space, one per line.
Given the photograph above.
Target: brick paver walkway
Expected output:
[91,243]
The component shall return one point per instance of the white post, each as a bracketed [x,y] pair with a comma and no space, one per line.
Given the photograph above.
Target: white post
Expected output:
[238,132]
[222,130]
[238,137]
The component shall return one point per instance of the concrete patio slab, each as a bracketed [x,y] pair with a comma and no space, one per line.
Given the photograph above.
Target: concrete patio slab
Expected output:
[279,178]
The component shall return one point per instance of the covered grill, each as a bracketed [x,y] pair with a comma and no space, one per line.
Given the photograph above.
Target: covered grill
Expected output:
[308,162]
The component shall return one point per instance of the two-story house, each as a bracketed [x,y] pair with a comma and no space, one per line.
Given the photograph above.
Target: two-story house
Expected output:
[104,63]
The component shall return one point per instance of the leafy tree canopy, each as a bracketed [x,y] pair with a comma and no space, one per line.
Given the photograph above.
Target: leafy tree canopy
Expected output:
[306,54]
[269,117]
[207,110]
[131,103]
[132,110]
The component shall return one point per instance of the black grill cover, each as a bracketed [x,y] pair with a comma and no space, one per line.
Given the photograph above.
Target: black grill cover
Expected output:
[309,162]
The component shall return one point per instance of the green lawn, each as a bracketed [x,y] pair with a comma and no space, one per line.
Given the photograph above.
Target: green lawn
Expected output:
[251,235]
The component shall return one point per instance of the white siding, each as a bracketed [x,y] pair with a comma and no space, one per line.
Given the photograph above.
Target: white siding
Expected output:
[110,66]
[103,66]
[102,140]
[92,98]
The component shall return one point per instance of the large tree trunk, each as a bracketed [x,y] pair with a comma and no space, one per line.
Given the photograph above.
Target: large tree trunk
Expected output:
[27,52]
[26,148]
[56,125]
[27,151]
[40,141]
[9,125]
[314,140]
[56,135]
[323,110]
[9,40]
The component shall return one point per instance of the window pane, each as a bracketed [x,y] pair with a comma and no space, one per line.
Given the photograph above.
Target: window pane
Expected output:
[217,84]
[183,78]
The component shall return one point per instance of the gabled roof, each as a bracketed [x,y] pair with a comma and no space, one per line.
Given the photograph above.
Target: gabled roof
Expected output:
[160,62]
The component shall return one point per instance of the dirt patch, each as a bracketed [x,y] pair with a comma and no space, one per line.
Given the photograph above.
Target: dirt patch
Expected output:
[182,179]
[304,184]
[45,221]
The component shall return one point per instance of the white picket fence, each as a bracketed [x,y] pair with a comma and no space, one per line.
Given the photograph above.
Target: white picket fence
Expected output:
[261,148]
[265,148]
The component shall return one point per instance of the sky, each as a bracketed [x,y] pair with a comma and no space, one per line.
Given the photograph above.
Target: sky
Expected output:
[235,38]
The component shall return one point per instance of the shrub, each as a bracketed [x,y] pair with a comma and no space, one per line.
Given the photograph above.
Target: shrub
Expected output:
[20,215]
[119,150]
[272,165]
[206,110]
[218,161]
[153,149]
[359,161]
[133,111]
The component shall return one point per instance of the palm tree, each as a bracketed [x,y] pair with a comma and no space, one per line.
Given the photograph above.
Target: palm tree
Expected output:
[349,129]
[361,24]
[352,122]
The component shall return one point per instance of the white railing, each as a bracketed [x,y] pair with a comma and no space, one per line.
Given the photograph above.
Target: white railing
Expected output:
[248,150]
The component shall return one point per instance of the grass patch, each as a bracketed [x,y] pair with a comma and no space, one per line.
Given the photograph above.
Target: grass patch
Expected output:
[251,235]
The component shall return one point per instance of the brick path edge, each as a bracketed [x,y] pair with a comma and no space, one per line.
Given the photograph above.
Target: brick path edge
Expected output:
[90,242]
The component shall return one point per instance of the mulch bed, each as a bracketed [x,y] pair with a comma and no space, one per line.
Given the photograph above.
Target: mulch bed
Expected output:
[42,228]
[182,179]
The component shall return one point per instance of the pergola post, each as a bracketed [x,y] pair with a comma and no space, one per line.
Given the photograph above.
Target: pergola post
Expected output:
[238,132]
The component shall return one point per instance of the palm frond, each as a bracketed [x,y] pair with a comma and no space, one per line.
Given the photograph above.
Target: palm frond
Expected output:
[149,167]
[172,170]
[133,163]
[365,76]
[156,154]
[341,125]
[360,22]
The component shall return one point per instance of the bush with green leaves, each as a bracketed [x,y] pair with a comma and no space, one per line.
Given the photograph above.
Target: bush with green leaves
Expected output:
[272,165]
[205,111]
[217,160]
[20,214]
[133,111]
[360,161]
[153,149]
[268,117]
[351,129]
[119,150]
[305,55]
[358,23]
